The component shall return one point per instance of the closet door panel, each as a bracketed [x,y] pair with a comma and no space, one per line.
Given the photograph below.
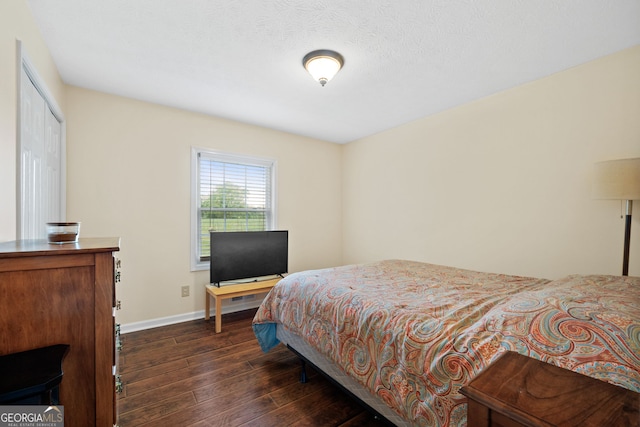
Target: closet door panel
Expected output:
[31,161]
[40,163]
[52,165]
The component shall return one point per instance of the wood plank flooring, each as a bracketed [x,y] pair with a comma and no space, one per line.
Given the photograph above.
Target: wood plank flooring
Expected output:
[187,375]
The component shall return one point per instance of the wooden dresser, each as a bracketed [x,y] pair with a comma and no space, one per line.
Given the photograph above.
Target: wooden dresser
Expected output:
[65,294]
[520,391]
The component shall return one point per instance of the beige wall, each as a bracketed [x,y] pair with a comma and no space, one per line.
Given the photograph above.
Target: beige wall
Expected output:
[16,23]
[129,175]
[502,184]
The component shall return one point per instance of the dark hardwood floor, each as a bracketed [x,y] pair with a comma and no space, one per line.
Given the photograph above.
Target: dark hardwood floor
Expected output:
[187,375]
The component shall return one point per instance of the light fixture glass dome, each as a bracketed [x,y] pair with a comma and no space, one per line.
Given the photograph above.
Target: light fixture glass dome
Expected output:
[323,65]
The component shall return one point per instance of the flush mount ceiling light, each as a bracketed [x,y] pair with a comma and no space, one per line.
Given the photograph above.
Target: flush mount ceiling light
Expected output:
[323,64]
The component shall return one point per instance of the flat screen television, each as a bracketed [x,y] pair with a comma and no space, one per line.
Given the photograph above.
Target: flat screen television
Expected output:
[239,255]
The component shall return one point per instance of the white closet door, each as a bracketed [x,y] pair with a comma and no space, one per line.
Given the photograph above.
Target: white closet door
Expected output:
[40,163]
[53,165]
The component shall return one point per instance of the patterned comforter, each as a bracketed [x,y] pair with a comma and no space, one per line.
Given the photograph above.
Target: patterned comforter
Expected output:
[415,333]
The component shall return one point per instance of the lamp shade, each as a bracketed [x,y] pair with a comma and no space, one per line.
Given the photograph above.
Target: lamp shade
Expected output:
[617,179]
[323,65]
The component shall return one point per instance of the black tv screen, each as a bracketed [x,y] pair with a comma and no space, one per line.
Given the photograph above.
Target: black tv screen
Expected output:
[248,254]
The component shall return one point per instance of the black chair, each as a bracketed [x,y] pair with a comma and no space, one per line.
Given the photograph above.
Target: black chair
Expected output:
[32,377]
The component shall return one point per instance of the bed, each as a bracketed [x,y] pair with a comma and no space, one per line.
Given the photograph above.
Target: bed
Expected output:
[405,336]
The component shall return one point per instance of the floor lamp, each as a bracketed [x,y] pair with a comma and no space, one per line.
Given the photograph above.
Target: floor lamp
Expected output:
[619,180]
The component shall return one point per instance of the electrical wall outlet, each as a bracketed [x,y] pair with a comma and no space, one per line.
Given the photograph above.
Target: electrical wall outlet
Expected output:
[185,291]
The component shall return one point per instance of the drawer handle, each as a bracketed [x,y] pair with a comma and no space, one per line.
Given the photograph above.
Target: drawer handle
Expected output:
[116,271]
[118,340]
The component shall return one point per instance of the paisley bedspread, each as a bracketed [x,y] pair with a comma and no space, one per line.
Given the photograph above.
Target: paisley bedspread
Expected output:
[415,333]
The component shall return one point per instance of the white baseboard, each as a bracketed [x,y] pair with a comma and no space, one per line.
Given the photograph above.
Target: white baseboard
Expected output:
[186,317]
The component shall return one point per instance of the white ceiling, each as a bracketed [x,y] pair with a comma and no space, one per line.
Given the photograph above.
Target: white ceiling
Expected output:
[404,59]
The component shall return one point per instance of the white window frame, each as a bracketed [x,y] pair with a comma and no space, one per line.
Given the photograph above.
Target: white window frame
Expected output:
[196,152]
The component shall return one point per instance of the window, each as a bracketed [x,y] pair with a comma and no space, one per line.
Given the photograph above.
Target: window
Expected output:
[229,193]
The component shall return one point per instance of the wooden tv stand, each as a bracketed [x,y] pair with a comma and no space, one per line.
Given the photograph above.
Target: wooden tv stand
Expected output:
[232,291]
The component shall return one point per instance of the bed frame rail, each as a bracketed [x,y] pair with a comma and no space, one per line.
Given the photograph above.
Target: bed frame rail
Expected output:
[304,379]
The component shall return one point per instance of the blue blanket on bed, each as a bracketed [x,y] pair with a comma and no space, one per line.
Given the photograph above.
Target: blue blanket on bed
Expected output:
[266,335]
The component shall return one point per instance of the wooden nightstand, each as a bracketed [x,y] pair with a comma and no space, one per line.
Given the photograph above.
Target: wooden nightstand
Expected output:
[520,391]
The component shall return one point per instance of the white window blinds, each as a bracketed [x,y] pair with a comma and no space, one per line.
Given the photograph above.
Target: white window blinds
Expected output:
[234,194]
